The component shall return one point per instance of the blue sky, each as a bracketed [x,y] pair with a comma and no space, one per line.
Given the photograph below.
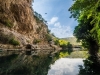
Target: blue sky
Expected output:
[57,16]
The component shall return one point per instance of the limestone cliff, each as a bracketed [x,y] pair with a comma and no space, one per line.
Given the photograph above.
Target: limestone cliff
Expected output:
[18,24]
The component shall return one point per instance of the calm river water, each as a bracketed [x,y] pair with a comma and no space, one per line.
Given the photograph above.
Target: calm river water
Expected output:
[65,66]
[43,64]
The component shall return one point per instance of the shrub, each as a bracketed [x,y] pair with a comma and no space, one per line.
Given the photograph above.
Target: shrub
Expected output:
[8,39]
[8,23]
[63,54]
[4,38]
[56,41]
[48,37]
[36,41]
[14,42]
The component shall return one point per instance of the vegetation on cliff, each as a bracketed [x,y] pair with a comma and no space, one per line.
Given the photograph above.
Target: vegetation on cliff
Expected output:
[20,25]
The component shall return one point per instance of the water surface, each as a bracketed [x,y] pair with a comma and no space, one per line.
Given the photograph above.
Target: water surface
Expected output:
[65,66]
[42,64]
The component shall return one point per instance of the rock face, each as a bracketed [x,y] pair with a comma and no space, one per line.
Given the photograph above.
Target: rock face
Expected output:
[18,24]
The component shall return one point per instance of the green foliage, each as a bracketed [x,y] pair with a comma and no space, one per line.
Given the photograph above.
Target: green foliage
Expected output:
[5,38]
[33,66]
[61,43]
[48,31]
[79,54]
[56,41]
[74,54]
[69,45]
[87,14]
[36,41]
[53,34]
[63,54]
[39,18]
[90,67]
[14,42]
[48,37]
[8,39]
[8,23]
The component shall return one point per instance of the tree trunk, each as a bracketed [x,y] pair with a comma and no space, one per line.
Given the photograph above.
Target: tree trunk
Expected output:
[93,50]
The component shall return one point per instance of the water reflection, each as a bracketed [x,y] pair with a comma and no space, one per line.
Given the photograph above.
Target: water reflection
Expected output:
[43,64]
[91,67]
[38,65]
[65,66]
[25,65]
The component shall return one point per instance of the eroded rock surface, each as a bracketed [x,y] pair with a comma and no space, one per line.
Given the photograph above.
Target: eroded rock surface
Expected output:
[17,22]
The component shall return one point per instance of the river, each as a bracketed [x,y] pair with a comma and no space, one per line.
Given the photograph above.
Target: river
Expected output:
[43,64]
[65,66]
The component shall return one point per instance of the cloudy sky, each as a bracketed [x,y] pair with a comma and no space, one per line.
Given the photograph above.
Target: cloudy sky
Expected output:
[57,16]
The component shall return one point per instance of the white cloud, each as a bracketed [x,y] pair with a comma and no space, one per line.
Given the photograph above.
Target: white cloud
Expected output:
[62,31]
[53,20]
[57,25]
[59,30]
[62,27]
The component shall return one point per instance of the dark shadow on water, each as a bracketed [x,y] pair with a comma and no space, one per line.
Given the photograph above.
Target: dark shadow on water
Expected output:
[25,65]
[91,67]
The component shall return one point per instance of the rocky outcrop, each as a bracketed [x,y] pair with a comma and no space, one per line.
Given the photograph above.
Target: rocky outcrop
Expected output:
[18,24]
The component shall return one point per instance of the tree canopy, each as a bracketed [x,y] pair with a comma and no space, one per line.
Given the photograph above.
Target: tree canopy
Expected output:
[87,13]
[39,17]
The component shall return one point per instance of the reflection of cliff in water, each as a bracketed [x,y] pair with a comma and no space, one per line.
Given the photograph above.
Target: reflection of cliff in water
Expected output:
[91,67]
[24,65]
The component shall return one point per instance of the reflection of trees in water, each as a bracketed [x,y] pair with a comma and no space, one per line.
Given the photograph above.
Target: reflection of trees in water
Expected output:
[91,67]
[25,65]
[69,46]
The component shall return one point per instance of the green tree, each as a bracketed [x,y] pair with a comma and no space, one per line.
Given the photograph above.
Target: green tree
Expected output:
[56,41]
[87,13]
[69,46]
[39,17]
[48,37]
[63,43]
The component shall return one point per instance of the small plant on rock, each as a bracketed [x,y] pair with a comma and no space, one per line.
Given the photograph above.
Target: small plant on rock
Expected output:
[14,42]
